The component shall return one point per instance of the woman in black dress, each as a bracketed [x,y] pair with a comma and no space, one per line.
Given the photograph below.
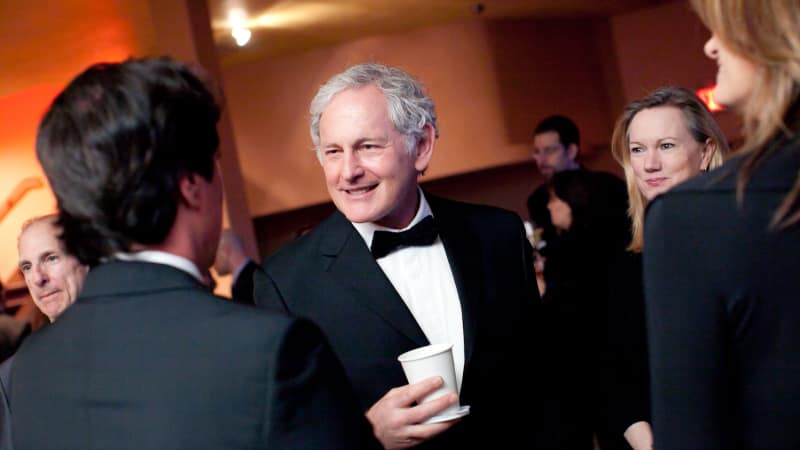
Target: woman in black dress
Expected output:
[660,140]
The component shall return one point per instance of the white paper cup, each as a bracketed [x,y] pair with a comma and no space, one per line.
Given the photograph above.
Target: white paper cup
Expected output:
[429,361]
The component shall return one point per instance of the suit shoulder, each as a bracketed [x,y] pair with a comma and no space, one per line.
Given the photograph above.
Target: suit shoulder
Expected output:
[456,210]
[292,252]
[475,216]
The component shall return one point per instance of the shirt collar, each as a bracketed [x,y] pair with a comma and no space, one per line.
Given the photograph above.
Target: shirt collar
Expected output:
[368,229]
[159,257]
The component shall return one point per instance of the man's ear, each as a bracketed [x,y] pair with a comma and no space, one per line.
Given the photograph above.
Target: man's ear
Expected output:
[425,149]
[572,151]
[190,189]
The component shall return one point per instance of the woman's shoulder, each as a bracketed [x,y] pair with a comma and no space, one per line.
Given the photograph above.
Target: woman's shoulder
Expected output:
[778,170]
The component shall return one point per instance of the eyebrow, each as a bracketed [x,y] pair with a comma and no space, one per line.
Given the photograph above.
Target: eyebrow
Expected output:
[659,140]
[40,256]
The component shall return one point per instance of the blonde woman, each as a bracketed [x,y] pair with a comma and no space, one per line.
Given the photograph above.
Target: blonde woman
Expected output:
[660,140]
[721,273]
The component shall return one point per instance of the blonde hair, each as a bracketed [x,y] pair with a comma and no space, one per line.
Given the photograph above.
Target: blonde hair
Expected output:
[700,124]
[767,34]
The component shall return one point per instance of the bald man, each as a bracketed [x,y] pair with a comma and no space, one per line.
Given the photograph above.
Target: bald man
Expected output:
[54,277]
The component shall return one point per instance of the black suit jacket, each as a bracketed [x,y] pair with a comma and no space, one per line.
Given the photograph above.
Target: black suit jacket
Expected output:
[330,277]
[5,410]
[242,286]
[147,358]
[722,296]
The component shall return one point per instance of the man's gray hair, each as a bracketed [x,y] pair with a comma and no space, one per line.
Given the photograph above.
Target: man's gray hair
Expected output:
[410,108]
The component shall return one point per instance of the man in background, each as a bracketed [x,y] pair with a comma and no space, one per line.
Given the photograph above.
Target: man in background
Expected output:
[556,145]
[54,277]
[147,357]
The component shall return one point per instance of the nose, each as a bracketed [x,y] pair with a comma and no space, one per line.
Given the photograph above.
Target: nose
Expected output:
[652,161]
[711,46]
[351,169]
[551,204]
[40,276]
[537,157]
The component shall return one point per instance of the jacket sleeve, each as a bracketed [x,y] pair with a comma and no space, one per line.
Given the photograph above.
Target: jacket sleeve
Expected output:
[266,293]
[693,405]
[312,405]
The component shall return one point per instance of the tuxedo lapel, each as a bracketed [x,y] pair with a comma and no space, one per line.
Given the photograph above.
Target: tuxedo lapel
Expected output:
[465,258]
[351,266]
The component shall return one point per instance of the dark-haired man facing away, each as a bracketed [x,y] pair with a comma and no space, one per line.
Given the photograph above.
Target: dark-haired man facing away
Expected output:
[147,358]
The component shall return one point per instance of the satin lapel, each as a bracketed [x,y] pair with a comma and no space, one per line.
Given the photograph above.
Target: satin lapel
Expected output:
[466,263]
[352,266]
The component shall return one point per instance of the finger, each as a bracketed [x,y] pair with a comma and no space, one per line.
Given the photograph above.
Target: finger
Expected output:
[425,411]
[424,432]
[407,395]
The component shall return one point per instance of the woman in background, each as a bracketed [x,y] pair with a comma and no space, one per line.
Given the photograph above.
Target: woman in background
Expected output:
[589,211]
[660,140]
[722,282]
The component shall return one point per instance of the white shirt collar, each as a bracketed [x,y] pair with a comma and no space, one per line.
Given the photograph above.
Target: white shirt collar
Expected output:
[159,257]
[368,229]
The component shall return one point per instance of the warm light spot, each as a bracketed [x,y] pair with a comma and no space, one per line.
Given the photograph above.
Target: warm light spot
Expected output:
[242,36]
[707,96]
[237,18]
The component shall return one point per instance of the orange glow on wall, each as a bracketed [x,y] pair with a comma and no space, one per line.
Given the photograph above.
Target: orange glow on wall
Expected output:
[707,96]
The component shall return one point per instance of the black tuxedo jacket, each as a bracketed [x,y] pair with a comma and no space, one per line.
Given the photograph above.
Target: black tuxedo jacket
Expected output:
[722,296]
[242,286]
[330,277]
[147,358]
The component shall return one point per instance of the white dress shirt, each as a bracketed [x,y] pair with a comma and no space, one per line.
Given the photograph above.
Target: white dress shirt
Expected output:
[424,280]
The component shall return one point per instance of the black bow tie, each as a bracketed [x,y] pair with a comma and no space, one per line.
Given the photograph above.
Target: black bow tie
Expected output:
[421,234]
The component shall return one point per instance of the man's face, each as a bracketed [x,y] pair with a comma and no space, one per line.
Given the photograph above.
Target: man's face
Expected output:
[370,173]
[54,278]
[550,154]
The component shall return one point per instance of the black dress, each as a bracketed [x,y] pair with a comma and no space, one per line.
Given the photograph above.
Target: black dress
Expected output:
[627,376]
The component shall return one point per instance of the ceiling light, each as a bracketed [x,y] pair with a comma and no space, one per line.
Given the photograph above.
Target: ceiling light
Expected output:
[242,36]
[237,19]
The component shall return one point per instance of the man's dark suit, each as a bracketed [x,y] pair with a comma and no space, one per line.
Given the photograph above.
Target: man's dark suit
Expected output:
[148,359]
[722,297]
[5,411]
[330,277]
[242,286]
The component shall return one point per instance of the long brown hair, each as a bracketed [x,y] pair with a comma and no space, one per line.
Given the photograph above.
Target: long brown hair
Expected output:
[766,33]
[701,126]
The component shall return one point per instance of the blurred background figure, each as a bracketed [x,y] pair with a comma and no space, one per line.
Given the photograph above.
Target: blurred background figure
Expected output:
[720,271]
[588,210]
[232,260]
[660,140]
[12,330]
[556,145]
